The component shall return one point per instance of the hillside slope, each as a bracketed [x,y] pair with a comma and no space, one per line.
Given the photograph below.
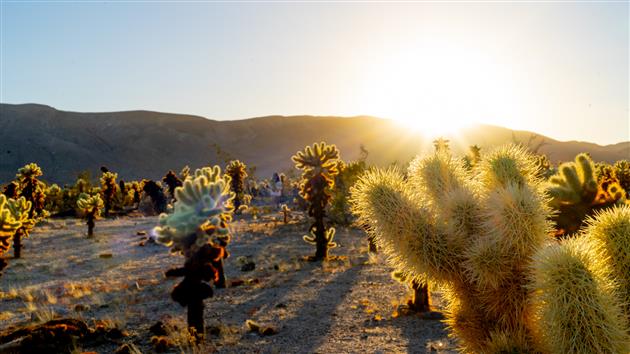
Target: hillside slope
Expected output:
[139,144]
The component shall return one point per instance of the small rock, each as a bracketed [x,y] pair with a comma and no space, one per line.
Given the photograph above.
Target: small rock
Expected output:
[158,329]
[123,349]
[248,267]
[282,306]
[141,233]
[105,255]
[81,308]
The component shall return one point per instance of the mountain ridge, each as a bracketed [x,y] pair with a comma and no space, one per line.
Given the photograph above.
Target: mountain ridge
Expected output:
[146,144]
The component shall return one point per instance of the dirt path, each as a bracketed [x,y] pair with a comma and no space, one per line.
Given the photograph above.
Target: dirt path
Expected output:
[345,305]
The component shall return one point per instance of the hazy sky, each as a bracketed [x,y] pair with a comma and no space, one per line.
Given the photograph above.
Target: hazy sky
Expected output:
[560,69]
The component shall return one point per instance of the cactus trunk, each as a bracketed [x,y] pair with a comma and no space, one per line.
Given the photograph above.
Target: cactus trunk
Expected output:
[195,317]
[17,243]
[321,243]
[420,301]
[221,282]
[90,225]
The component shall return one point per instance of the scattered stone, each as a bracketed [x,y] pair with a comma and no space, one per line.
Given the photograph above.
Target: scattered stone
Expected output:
[81,308]
[248,267]
[158,329]
[283,306]
[141,233]
[105,255]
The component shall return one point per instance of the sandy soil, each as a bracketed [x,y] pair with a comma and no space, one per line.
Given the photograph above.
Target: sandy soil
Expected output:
[346,305]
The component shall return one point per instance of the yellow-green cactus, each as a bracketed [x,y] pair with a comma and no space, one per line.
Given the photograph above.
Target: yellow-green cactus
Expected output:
[8,226]
[609,231]
[109,187]
[204,200]
[90,207]
[472,231]
[237,172]
[32,189]
[575,301]
[319,164]
[21,210]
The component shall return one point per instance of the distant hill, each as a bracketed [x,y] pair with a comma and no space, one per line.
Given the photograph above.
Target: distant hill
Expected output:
[144,144]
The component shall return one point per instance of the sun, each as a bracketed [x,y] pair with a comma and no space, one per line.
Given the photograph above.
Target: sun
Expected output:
[436,88]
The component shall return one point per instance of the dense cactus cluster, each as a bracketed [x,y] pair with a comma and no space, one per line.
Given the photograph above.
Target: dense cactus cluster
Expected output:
[237,172]
[198,228]
[319,168]
[90,207]
[109,188]
[579,189]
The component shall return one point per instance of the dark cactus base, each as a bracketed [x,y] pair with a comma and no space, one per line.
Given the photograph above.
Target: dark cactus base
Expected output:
[420,301]
[201,268]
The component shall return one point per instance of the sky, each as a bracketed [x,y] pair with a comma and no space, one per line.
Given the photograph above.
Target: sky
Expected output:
[558,69]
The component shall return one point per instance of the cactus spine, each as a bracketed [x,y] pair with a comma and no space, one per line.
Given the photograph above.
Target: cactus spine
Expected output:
[90,207]
[319,168]
[198,228]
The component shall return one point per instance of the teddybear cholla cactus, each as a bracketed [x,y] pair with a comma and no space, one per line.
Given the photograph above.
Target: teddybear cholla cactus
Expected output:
[237,172]
[8,227]
[108,190]
[172,181]
[319,166]
[576,193]
[32,189]
[580,288]
[90,207]
[474,235]
[198,228]
[21,210]
[486,238]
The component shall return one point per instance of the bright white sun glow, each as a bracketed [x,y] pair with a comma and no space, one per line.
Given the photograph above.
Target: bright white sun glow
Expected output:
[438,88]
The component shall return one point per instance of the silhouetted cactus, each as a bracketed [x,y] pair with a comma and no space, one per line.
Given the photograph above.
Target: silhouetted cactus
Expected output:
[8,226]
[319,166]
[156,193]
[32,189]
[172,181]
[11,190]
[237,172]
[198,228]
[109,188]
[622,173]
[420,300]
[90,207]
[473,157]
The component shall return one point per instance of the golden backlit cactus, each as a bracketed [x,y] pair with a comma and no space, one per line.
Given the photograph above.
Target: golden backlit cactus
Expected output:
[609,231]
[472,231]
[109,187]
[8,226]
[575,301]
[90,207]
[21,210]
[32,189]
[319,165]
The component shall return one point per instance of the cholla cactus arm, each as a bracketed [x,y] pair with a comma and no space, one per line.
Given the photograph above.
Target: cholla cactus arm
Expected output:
[8,222]
[609,231]
[30,170]
[202,201]
[402,228]
[575,304]
[90,204]
[319,156]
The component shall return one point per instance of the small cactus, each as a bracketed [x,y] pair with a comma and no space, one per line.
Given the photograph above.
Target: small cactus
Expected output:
[9,224]
[319,165]
[32,189]
[237,172]
[21,210]
[172,181]
[198,228]
[286,213]
[109,188]
[90,207]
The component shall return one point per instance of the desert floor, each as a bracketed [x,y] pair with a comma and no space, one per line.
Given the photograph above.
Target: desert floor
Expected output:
[349,304]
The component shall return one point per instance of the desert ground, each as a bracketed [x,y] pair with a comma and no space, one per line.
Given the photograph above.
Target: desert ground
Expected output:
[348,304]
